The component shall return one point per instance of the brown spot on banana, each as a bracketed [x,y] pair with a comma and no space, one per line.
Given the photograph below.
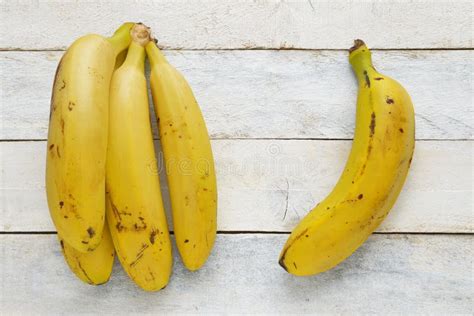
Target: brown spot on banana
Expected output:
[151,274]
[367,79]
[141,226]
[372,124]
[89,280]
[91,232]
[153,236]
[139,255]
[119,227]
[115,210]
[62,125]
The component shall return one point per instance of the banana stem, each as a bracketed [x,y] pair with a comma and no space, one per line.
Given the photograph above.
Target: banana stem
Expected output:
[361,61]
[140,35]
[121,38]
[154,54]
[136,56]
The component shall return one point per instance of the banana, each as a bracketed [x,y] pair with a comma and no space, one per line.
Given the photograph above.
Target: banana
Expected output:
[93,267]
[374,174]
[77,137]
[188,158]
[135,210]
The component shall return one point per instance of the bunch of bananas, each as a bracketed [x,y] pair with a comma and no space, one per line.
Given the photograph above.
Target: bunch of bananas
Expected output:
[102,183]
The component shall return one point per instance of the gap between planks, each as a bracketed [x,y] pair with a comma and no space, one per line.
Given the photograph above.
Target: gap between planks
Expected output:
[261,49]
[269,138]
[251,232]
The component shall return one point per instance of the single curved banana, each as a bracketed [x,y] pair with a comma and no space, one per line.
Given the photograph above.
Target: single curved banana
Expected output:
[93,267]
[77,137]
[135,210]
[188,158]
[372,178]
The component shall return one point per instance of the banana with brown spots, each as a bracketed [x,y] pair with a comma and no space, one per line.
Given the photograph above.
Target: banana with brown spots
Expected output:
[93,267]
[77,137]
[188,159]
[135,210]
[374,174]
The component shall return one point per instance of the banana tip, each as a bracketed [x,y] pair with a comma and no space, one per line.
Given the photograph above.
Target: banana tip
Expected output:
[281,262]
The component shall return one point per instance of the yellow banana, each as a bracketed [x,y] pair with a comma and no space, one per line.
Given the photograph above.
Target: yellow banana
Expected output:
[188,158]
[135,210]
[95,266]
[374,174]
[92,267]
[77,138]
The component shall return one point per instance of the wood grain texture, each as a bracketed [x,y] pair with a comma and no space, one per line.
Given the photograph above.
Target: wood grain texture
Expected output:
[389,274]
[269,185]
[262,109]
[216,24]
[269,94]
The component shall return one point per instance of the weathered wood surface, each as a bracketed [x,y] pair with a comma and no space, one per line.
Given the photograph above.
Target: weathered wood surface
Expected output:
[259,106]
[217,24]
[269,94]
[269,185]
[389,274]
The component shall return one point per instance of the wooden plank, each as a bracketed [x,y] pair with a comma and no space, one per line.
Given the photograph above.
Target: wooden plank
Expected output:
[268,185]
[393,274]
[216,24]
[269,94]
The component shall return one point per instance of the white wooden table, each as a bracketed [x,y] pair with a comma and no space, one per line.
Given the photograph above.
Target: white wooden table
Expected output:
[278,94]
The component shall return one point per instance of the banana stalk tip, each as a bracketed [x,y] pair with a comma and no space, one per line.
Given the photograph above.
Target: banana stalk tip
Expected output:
[357,44]
[141,34]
